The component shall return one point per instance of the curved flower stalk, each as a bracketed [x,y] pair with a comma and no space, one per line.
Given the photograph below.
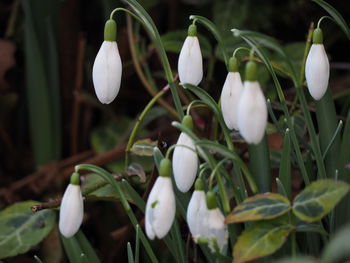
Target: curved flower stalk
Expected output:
[190,64]
[317,67]
[231,94]
[107,68]
[197,212]
[252,109]
[72,208]
[160,207]
[217,233]
[185,159]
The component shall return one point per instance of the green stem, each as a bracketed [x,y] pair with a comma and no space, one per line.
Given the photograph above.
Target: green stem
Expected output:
[128,12]
[109,178]
[306,52]
[321,19]
[150,26]
[139,121]
[238,49]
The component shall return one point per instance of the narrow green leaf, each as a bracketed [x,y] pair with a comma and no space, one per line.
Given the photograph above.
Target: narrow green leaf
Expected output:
[259,207]
[130,254]
[285,165]
[261,239]
[259,164]
[318,199]
[86,247]
[338,249]
[336,16]
[72,249]
[212,28]
[20,228]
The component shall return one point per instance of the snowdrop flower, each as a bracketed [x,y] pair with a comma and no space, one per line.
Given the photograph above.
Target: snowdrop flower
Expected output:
[185,159]
[230,95]
[217,230]
[197,212]
[317,67]
[190,65]
[252,110]
[160,207]
[72,208]
[107,69]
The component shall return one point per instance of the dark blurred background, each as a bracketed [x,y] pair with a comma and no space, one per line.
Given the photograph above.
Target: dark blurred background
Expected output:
[50,119]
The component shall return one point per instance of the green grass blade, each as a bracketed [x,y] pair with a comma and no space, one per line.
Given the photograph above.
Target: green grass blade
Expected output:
[259,164]
[38,100]
[130,254]
[336,16]
[285,166]
[72,249]
[86,247]
[213,29]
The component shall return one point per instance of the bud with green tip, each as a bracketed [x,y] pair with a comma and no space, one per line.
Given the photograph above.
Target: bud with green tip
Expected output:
[185,159]
[231,94]
[107,68]
[72,208]
[317,67]
[190,64]
[160,206]
[252,109]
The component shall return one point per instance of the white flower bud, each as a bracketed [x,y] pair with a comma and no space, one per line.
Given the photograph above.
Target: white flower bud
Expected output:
[107,72]
[230,96]
[160,208]
[190,65]
[317,71]
[197,213]
[185,163]
[71,211]
[252,113]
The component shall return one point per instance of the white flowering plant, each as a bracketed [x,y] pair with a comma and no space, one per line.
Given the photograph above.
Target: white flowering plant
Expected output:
[228,196]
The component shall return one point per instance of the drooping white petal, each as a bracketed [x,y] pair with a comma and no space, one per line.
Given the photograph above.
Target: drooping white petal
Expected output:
[107,72]
[190,65]
[160,208]
[317,71]
[252,113]
[196,216]
[217,229]
[185,163]
[71,211]
[230,96]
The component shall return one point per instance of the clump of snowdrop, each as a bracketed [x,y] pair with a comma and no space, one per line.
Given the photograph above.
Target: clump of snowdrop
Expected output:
[72,208]
[185,159]
[160,207]
[107,69]
[252,109]
[190,64]
[197,212]
[317,67]
[230,95]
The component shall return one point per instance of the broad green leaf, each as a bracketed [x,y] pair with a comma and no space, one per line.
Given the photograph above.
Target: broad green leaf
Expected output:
[20,228]
[98,189]
[338,249]
[261,239]
[144,147]
[311,227]
[259,207]
[336,16]
[318,199]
